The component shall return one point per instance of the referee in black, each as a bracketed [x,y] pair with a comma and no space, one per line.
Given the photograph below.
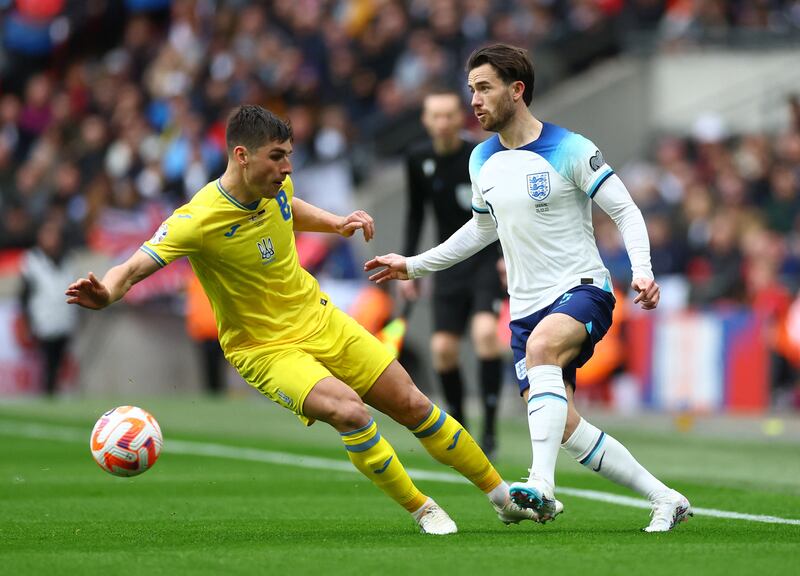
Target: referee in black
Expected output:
[438,177]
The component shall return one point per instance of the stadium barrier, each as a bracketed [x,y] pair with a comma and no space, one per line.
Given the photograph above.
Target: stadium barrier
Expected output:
[711,361]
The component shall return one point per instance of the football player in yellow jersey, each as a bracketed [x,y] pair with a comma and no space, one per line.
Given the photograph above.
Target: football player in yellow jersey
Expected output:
[283,334]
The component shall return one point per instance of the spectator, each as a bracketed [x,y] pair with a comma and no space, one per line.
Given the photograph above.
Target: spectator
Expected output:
[716,271]
[783,205]
[129,112]
[46,269]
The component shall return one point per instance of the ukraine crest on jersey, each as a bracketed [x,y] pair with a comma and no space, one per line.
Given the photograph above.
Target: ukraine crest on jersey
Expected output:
[539,197]
[246,260]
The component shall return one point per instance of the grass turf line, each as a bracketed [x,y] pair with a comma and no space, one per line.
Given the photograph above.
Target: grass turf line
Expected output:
[60,513]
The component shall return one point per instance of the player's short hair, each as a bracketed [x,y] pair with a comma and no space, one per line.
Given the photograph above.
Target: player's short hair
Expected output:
[253,126]
[512,64]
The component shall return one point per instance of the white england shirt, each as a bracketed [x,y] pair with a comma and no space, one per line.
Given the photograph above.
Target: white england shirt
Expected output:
[537,200]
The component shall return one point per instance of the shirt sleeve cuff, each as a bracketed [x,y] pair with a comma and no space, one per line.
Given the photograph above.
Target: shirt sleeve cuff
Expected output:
[411,267]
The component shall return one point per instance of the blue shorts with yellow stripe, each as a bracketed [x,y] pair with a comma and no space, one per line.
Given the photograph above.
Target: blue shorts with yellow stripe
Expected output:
[341,348]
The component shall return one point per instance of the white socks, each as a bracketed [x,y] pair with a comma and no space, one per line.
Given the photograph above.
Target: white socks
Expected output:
[499,494]
[602,453]
[547,416]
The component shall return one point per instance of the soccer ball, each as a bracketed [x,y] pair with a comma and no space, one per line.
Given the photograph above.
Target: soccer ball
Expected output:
[126,441]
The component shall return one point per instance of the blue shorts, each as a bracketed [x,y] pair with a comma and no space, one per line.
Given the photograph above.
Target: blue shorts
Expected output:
[589,305]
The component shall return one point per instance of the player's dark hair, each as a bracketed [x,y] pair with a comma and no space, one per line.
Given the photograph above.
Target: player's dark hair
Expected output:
[512,64]
[253,126]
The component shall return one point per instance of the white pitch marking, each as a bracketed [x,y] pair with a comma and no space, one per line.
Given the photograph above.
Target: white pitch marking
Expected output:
[187,447]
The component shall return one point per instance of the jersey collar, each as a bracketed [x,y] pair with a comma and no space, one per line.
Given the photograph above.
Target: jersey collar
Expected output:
[234,201]
[546,139]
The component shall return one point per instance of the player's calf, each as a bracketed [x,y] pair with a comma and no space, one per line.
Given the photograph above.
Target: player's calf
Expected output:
[375,458]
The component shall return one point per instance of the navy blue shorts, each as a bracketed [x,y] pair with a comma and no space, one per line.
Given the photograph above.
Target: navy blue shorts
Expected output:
[589,305]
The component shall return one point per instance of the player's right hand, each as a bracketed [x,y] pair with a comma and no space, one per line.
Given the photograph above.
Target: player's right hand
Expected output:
[409,290]
[89,293]
[394,268]
[649,293]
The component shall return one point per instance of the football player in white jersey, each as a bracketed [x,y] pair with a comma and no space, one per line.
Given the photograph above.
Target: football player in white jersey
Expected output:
[533,184]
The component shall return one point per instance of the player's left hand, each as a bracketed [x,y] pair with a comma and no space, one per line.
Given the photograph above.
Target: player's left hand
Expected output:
[649,292]
[358,220]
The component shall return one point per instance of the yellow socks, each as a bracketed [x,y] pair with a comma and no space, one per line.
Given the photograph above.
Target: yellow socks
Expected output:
[376,459]
[447,441]
[441,435]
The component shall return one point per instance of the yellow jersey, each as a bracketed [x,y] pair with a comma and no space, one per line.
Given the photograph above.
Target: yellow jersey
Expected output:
[246,260]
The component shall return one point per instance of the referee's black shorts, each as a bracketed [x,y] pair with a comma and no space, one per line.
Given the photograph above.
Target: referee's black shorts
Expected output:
[467,288]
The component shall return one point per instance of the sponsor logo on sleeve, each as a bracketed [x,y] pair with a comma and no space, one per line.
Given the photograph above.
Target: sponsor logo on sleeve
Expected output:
[160,234]
[596,161]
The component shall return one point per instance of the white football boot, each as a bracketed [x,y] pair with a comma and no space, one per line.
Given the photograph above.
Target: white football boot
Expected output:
[669,509]
[536,495]
[432,519]
[510,513]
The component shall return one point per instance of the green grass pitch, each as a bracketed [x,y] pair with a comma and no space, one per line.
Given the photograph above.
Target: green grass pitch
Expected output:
[192,514]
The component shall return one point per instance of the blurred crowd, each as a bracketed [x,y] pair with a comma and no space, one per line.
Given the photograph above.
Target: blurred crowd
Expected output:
[112,112]
[109,104]
[723,215]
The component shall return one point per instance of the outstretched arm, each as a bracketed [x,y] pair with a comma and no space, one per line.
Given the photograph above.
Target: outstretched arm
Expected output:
[97,294]
[309,218]
[476,234]
[615,201]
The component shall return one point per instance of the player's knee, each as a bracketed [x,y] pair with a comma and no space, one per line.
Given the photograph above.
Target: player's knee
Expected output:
[347,413]
[416,409]
[410,407]
[540,351]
